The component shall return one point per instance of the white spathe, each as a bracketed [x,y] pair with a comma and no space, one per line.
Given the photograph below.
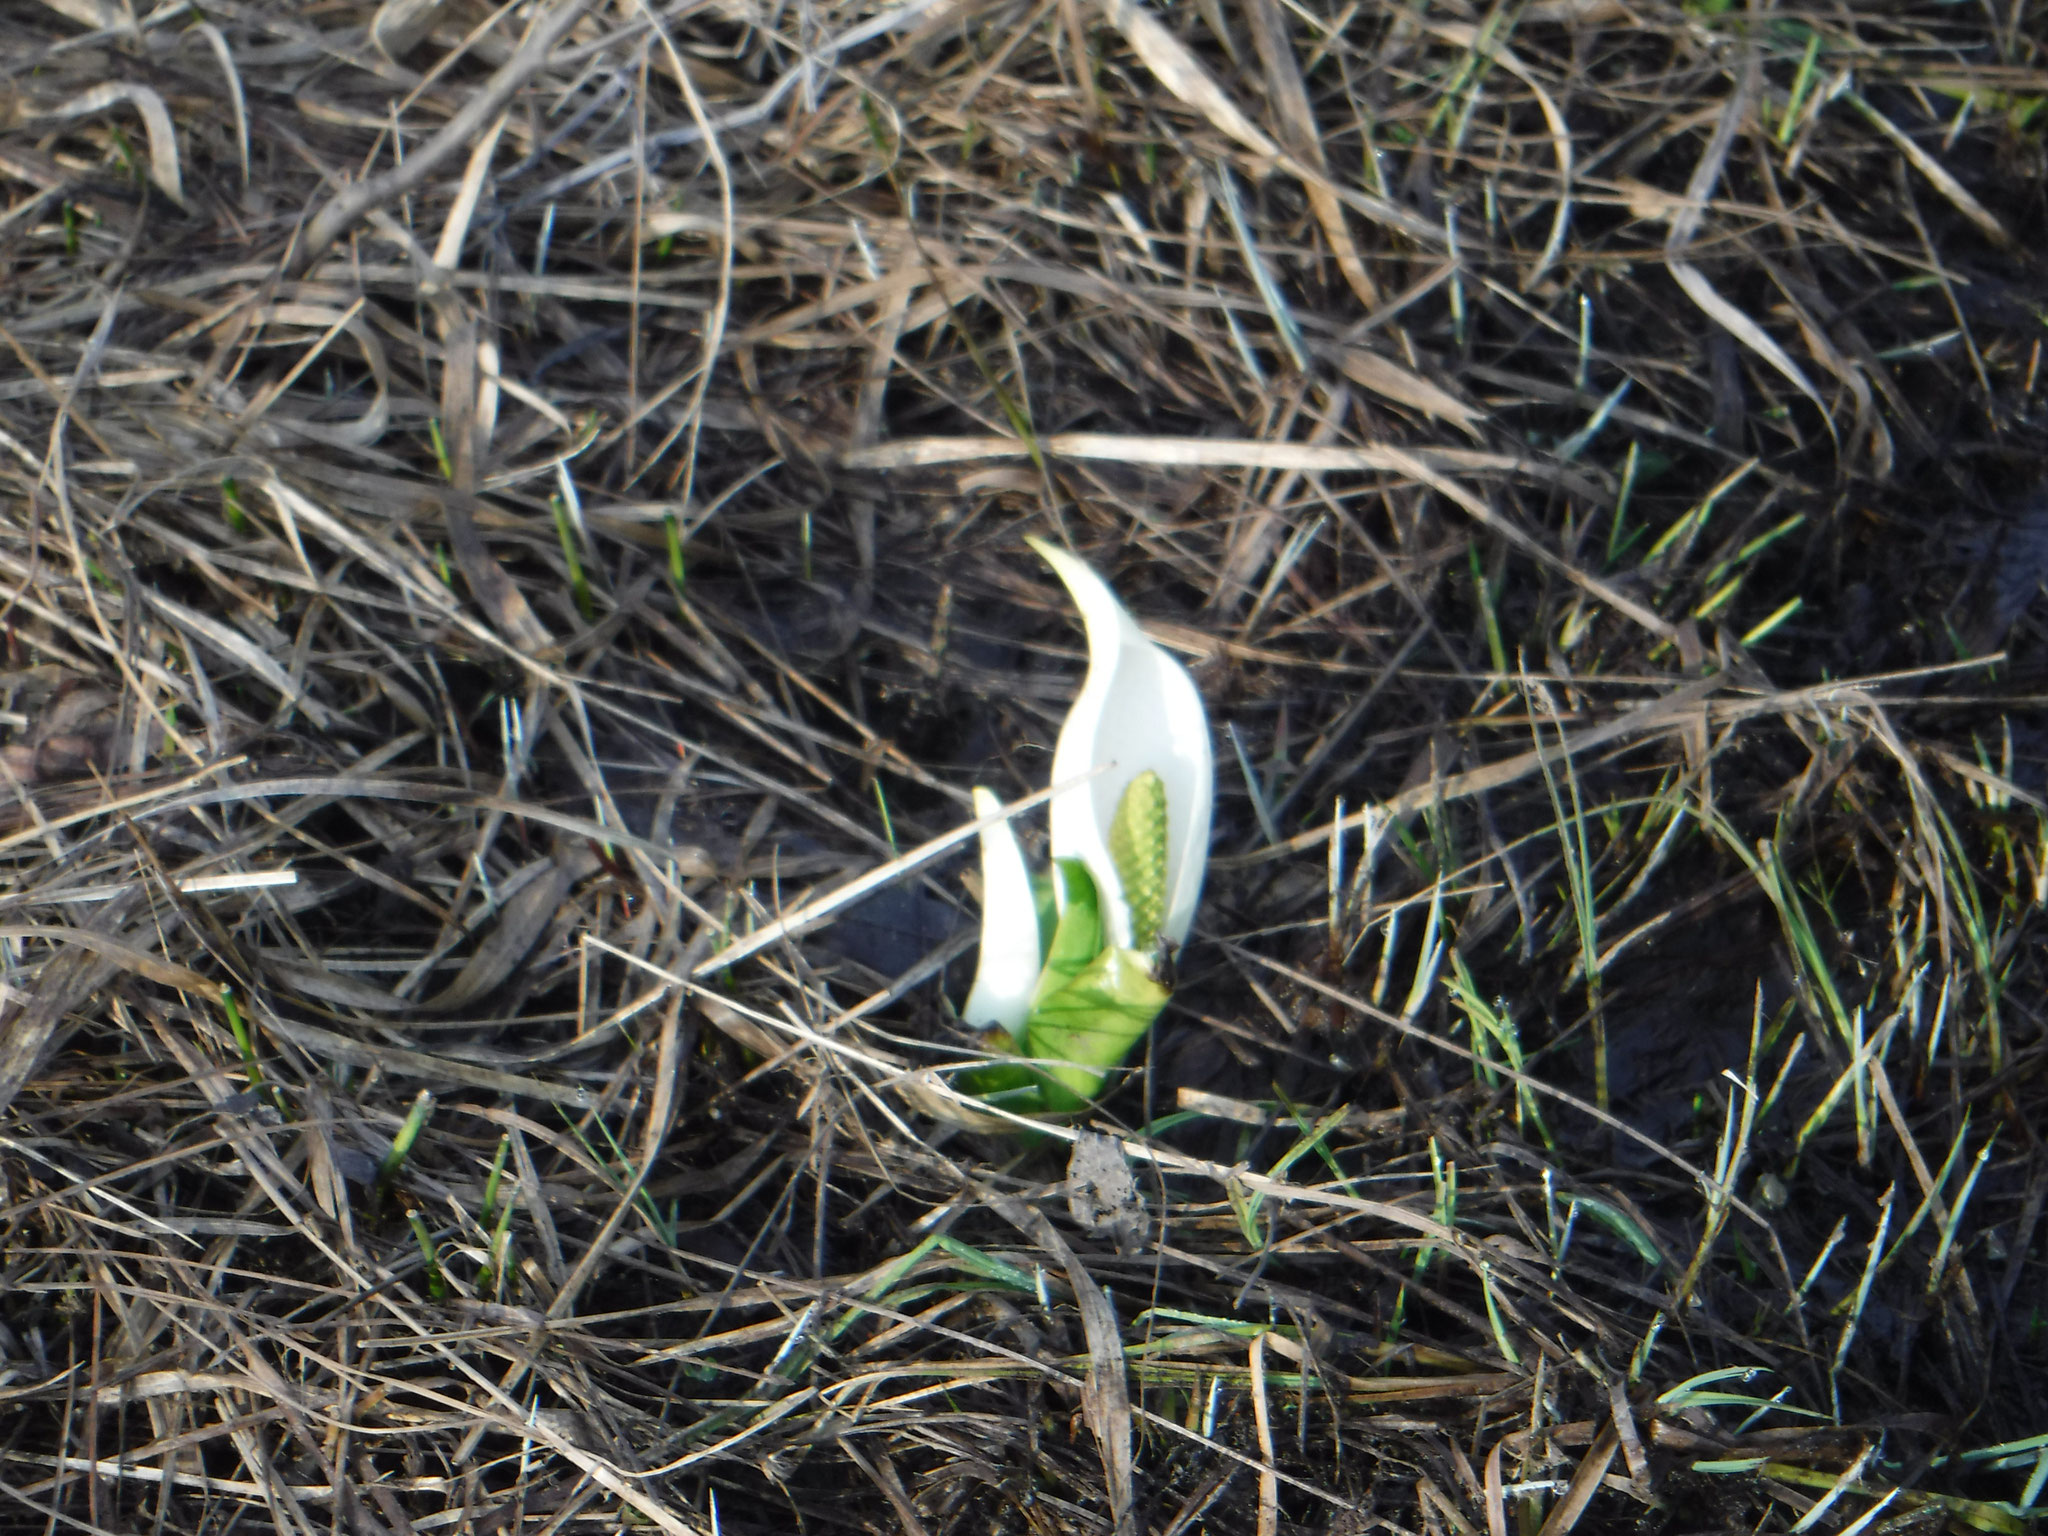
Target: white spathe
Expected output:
[1007,974]
[1137,709]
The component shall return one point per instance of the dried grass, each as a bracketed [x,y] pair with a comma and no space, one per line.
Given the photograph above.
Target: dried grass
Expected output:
[513,550]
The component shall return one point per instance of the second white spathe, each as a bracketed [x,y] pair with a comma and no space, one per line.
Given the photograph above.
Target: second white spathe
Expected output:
[1007,974]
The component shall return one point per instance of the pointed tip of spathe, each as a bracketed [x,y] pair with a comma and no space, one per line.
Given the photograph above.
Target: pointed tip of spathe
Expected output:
[1068,566]
[1108,621]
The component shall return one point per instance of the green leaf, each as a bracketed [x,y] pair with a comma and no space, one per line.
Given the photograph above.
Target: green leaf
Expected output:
[1077,935]
[1085,1028]
[1093,1004]
[1620,1224]
[990,1267]
[1137,846]
[1042,894]
[1070,939]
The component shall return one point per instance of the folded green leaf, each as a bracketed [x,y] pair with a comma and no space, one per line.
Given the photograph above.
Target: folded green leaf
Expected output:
[1071,939]
[1093,1003]
[1043,893]
[1084,1030]
[1076,936]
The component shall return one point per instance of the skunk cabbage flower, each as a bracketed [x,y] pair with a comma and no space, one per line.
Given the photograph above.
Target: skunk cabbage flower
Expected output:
[1138,712]
[1071,971]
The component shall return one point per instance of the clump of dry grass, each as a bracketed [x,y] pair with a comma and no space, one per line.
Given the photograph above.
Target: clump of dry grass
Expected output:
[513,562]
